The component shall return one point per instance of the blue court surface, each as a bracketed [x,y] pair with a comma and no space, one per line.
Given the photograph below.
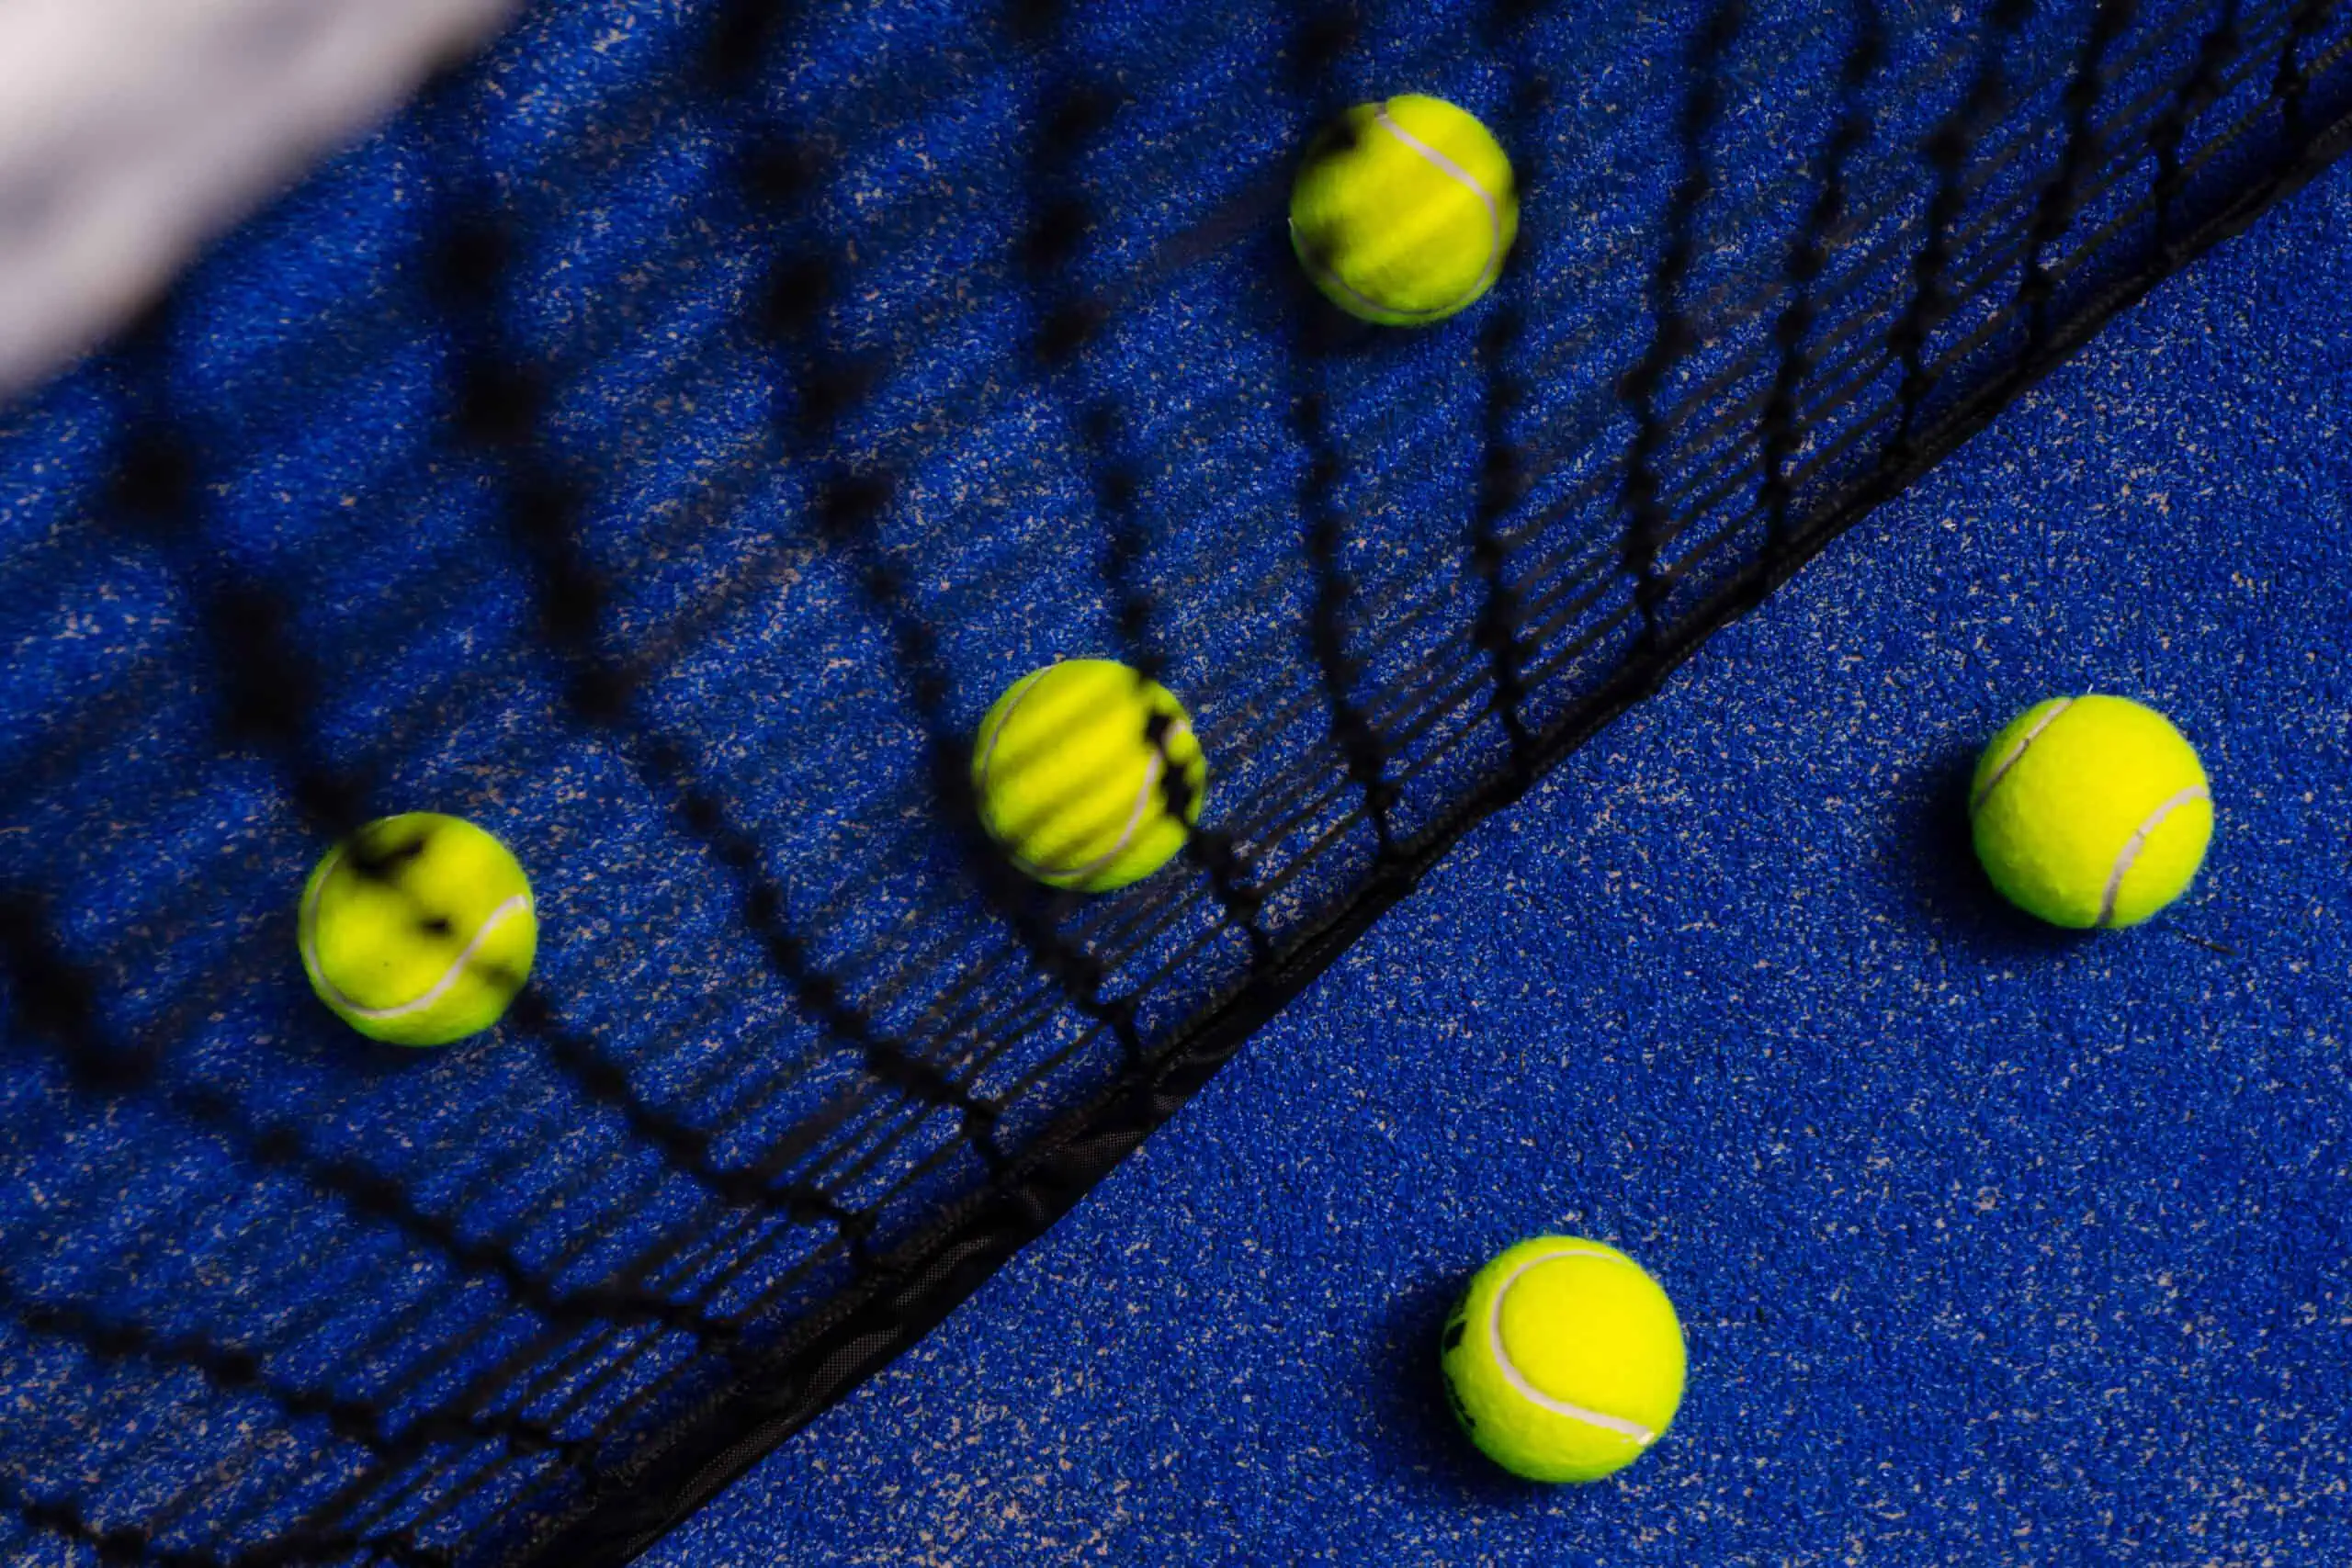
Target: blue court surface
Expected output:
[1992,1244]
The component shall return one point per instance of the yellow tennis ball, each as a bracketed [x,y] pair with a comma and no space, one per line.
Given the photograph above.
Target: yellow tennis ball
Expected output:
[1069,781]
[1564,1360]
[2090,811]
[419,930]
[1404,210]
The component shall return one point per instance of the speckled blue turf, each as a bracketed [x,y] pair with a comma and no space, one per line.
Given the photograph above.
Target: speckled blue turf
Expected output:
[1993,1244]
[1726,992]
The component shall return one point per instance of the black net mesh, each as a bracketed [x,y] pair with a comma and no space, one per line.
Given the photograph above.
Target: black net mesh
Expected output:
[733,408]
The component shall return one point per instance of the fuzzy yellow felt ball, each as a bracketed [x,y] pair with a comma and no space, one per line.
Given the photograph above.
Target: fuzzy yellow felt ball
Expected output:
[2090,811]
[1071,781]
[1564,1360]
[1404,210]
[419,930]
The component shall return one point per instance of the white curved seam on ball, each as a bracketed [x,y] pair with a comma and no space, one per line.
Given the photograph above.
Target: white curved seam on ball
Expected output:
[2138,841]
[306,922]
[2016,753]
[1135,818]
[1452,170]
[520,903]
[1518,1380]
[1021,690]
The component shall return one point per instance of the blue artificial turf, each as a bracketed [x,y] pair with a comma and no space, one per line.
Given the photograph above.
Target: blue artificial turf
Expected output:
[1742,913]
[1991,1244]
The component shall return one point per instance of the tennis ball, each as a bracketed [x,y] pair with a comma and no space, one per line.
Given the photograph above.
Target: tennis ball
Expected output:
[1563,1360]
[2090,811]
[1404,210]
[1069,778]
[418,929]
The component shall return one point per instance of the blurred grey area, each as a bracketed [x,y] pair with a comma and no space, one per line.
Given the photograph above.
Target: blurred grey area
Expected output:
[132,131]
